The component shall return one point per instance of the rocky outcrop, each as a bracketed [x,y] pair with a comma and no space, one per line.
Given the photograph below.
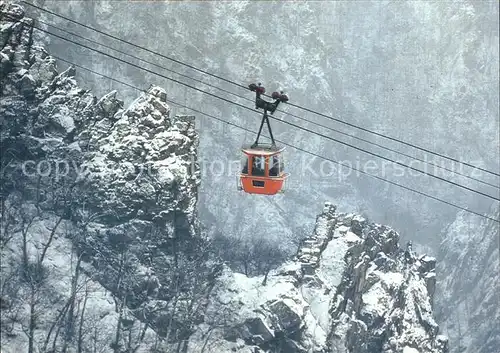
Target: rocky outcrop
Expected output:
[139,179]
[144,165]
[351,288]
[126,179]
[384,302]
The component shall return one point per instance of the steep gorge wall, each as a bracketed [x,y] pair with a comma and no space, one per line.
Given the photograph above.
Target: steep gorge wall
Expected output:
[351,288]
[124,180]
[469,292]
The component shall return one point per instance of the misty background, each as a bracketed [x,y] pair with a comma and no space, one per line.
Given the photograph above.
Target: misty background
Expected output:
[423,72]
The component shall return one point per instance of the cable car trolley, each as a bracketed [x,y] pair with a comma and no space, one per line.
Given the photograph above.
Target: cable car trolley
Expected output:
[263,168]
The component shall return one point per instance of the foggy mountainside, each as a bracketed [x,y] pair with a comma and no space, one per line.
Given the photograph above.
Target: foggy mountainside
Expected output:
[422,71]
[116,235]
[468,291]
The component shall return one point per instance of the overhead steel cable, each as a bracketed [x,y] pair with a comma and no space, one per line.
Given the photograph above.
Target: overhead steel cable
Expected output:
[285,143]
[272,117]
[245,87]
[251,100]
[396,140]
[133,44]
[143,60]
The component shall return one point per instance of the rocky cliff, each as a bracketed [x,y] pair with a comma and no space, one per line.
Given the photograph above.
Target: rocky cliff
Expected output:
[351,288]
[103,250]
[125,179]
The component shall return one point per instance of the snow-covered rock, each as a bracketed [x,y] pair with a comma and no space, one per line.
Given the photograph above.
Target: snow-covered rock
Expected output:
[351,288]
[126,180]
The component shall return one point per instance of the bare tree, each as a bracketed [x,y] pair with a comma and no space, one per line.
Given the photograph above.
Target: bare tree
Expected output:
[71,319]
[82,320]
[267,256]
[299,234]
[222,319]
[9,221]
[120,300]
[34,275]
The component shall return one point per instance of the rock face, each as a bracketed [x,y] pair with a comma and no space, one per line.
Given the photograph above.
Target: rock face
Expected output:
[142,162]
[133,164]
[385,300]
[351,288]
[468,295]
[126,179]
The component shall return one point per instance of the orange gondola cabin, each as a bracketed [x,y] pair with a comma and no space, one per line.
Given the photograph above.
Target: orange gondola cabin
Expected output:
[263,168]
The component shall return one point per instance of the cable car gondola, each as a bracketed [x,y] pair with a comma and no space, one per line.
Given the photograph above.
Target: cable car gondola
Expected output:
[263,168]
